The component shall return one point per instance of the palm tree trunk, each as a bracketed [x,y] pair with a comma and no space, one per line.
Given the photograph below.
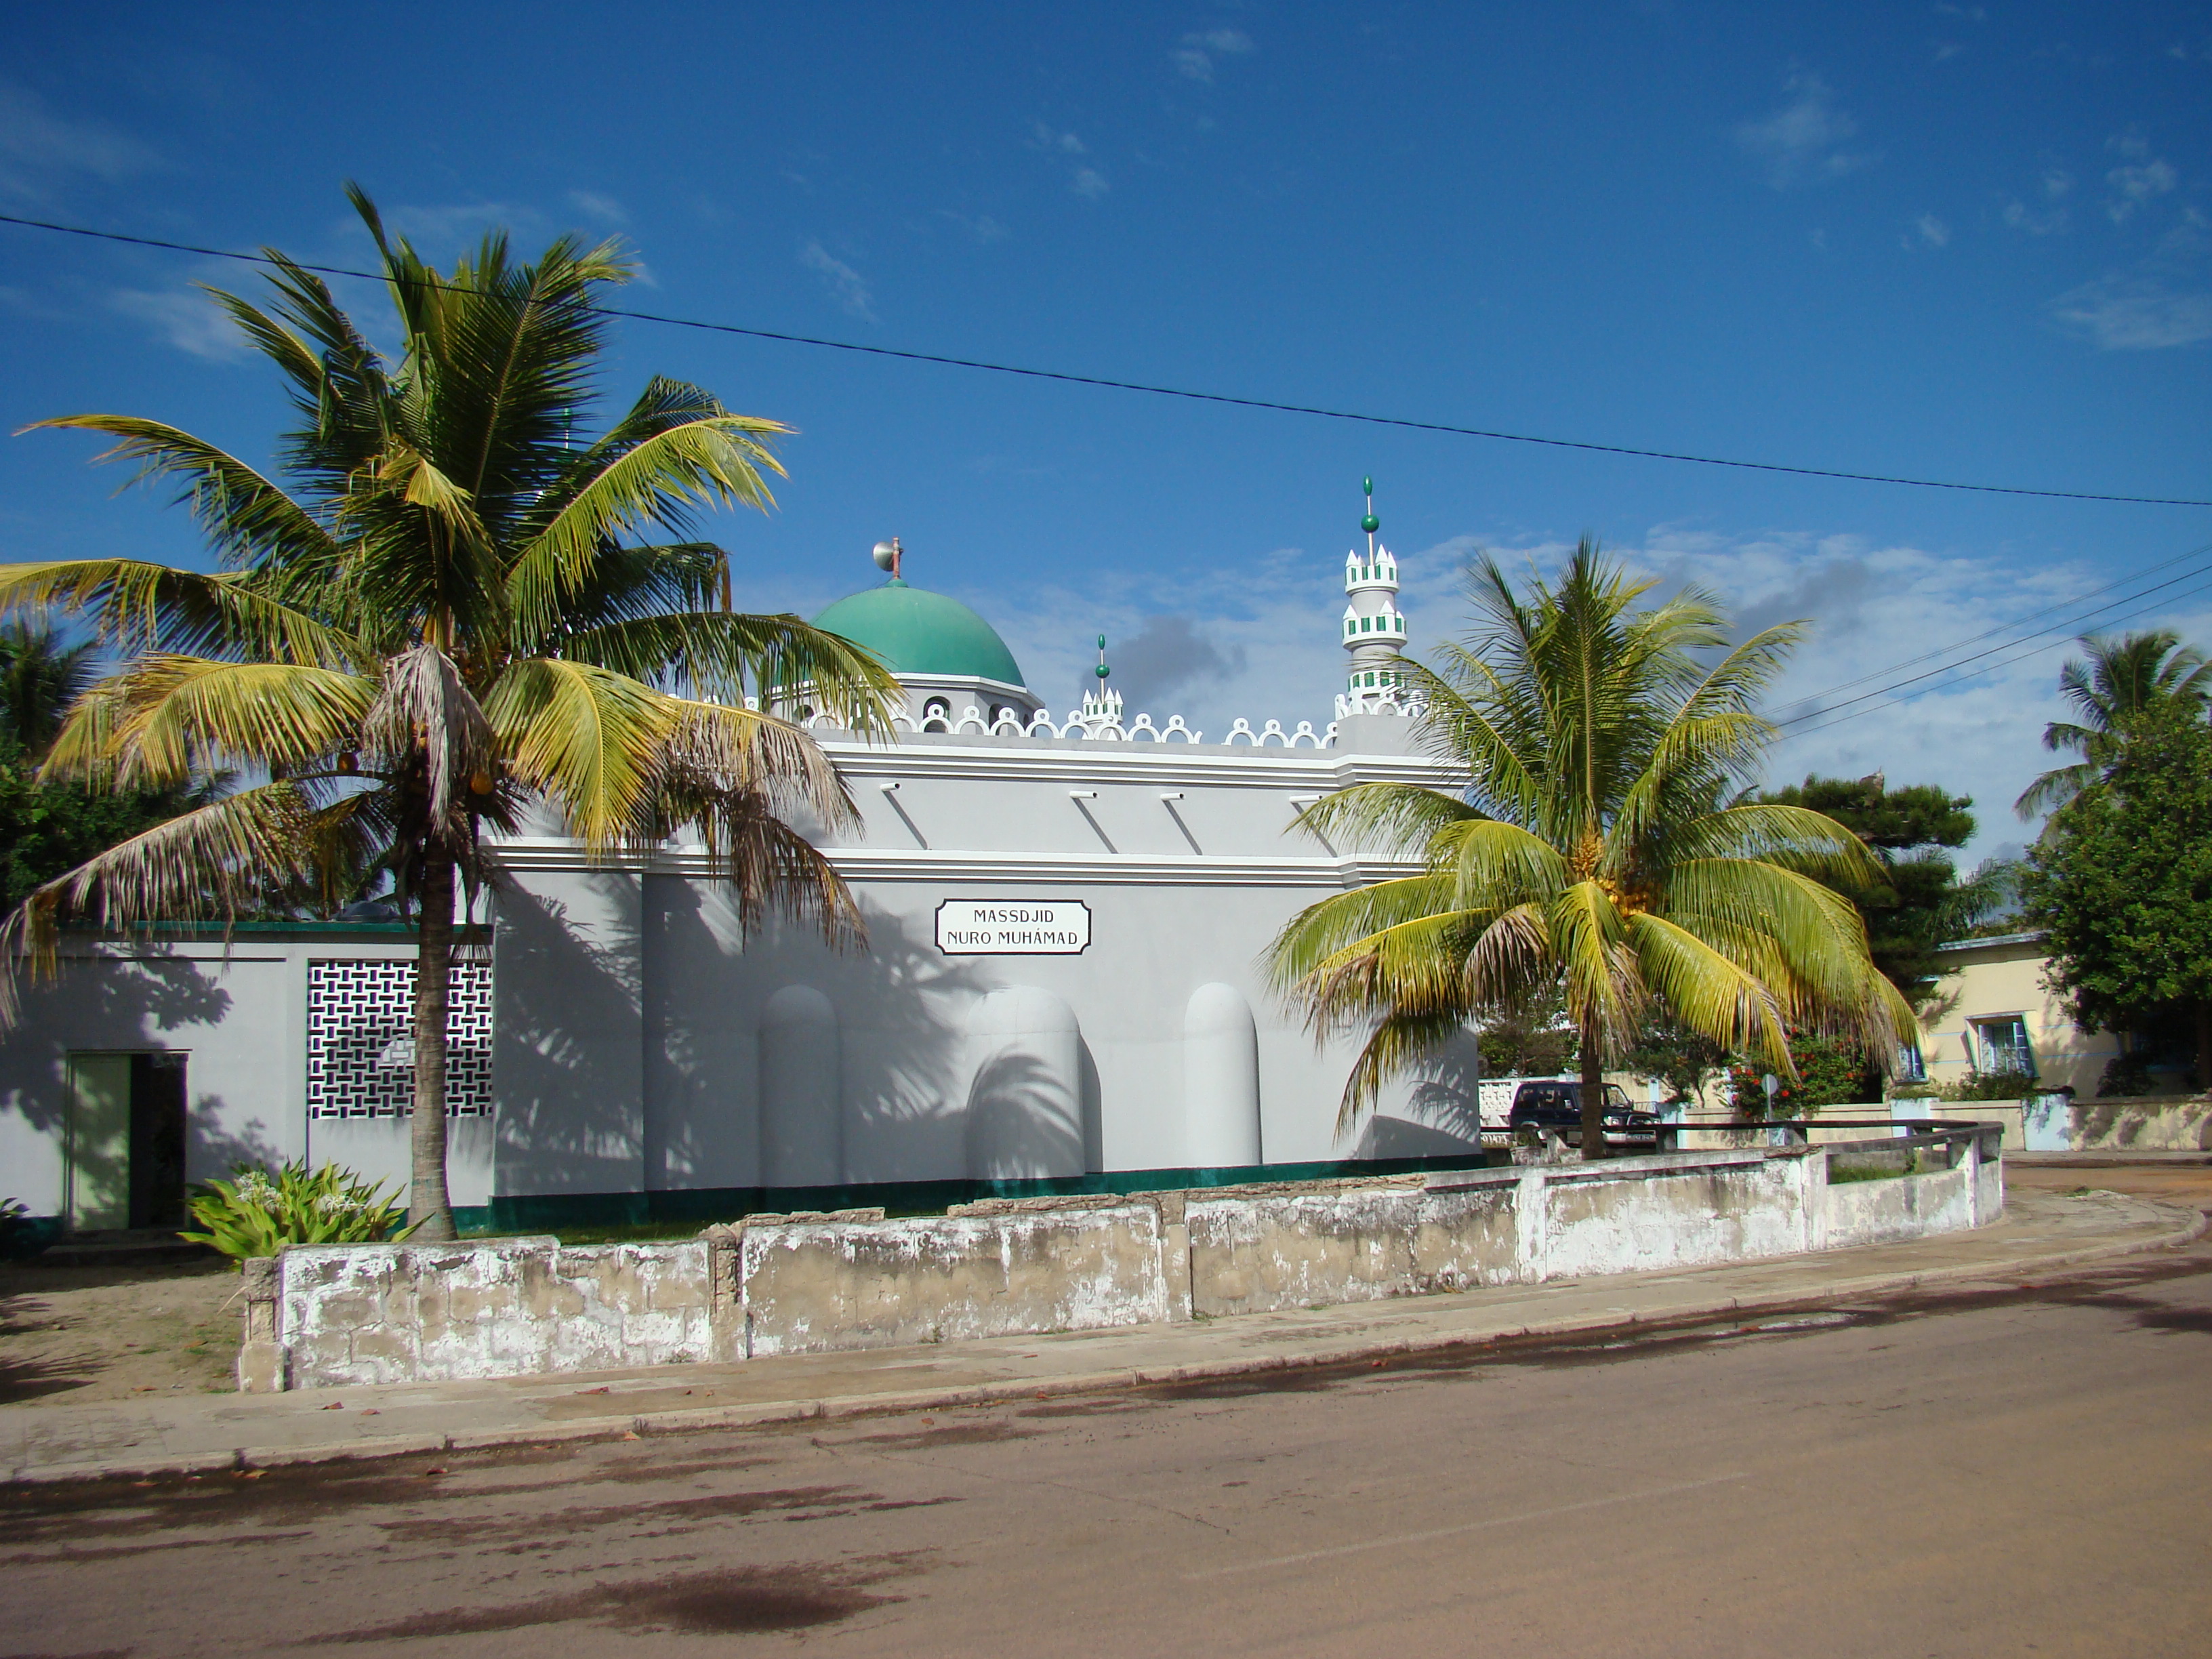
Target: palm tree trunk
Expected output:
[427,1202]
[1593,1067]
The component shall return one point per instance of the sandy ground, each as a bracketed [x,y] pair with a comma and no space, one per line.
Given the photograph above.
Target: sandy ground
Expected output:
[73,1334]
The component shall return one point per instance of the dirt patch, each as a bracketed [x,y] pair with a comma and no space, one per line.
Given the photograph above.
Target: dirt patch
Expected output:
[72,1334]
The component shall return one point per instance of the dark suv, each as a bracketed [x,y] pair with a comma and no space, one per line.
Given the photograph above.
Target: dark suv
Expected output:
[1556,1108]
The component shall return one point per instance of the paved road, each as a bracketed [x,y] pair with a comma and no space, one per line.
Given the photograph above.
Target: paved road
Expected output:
[2015,1471]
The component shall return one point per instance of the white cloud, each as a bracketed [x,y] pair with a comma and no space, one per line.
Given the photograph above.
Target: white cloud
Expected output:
[2131,315]
[1086,181]
[1933,231]
[190,321]
[2165,300]
[602,208]
[2134,185]
[982,227]
[2057,184]
[38,149]
[440,230]
[847,284]
[1804,141]
[1193,59]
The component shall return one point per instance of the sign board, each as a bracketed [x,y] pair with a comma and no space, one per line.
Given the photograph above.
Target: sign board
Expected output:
[1013,927]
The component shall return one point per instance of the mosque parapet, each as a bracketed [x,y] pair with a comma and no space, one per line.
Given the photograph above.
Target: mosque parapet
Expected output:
[1093,725]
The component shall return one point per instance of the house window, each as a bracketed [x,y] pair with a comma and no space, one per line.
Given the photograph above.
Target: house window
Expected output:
[1911,1064]
[2001,1044]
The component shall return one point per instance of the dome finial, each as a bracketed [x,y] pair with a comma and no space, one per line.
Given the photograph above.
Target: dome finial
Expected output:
[888,557]
[1102,671]
[1367,521]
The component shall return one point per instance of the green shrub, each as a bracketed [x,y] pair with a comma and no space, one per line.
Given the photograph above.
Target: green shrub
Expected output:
[1993,1085]
[256,1213]
[2125,1077]
[16,1232]
[1830,1071]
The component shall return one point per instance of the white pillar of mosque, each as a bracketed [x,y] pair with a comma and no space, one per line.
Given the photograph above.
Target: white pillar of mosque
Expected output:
[1025,1103]
[1220,1079]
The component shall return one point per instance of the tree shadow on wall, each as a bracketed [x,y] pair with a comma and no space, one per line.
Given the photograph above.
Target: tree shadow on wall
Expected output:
[1443,1109]
[122,1004]
[902,1011]
[1023,1123]
[567,1118]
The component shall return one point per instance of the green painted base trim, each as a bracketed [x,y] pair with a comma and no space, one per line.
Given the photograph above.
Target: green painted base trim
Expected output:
[703,1205]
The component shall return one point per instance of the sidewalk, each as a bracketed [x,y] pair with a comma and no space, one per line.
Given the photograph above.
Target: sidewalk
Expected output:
[2039,1234]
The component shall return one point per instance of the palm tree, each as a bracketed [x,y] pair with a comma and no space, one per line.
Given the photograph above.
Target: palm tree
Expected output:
[1590,851]
[450,617]
[2121,679]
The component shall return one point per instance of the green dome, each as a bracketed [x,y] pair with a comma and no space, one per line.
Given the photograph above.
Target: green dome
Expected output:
[917,632]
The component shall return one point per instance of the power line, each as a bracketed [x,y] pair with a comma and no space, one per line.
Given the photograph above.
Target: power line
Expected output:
[2039,646]
[2045,635]
[1184,393]
[2016,623]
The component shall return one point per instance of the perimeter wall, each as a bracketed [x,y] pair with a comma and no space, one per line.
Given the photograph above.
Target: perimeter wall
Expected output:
[323,1315]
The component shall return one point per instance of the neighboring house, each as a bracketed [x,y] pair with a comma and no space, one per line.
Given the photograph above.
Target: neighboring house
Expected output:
[1992,1012]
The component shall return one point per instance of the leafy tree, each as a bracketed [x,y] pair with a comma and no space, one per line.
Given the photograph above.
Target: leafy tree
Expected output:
[1832,1071]
[1587,853]
[1534,1041]
[47,830]
[40,678]
[451,616]
[2121,882]
[1670,1054]
[1919,900]
[2121,679]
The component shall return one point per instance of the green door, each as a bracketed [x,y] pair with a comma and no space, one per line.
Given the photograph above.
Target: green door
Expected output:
[99,1169]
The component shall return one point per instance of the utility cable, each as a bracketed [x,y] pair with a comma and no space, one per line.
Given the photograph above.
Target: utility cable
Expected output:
[2045,636]
[2033,650]
[1184,393]
[2016,623]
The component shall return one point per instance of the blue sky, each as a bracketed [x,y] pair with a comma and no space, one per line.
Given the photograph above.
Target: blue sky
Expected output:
[1969,242]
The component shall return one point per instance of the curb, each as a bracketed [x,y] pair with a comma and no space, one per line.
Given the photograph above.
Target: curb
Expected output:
[249,1459]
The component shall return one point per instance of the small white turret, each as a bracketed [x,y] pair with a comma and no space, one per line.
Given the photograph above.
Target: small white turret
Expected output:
[1374,627]
[1101,706]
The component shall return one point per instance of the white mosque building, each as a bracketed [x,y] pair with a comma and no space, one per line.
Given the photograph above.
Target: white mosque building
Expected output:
[1061,988]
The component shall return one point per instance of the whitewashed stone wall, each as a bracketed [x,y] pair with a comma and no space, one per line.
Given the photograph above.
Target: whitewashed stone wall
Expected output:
[782,1284]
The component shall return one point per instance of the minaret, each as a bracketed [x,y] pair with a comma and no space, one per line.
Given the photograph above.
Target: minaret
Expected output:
[1374,627]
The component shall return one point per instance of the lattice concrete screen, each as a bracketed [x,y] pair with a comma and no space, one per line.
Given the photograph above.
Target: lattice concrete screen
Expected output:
[361,1045]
